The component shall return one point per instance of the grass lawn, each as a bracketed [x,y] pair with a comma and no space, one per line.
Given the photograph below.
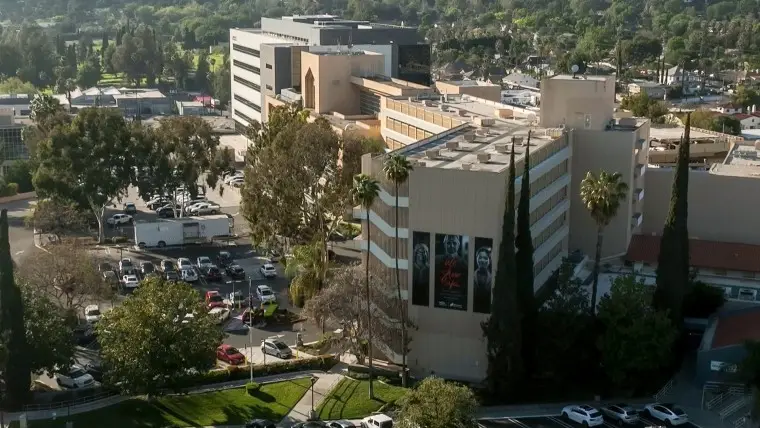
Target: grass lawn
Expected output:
[229,407]
[350,399]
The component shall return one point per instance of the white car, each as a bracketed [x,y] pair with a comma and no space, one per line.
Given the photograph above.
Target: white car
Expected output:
[204,263]
[125,264]
[238,182]
[377,421]
[92,313]
[583,414]
[235,299]
[265,294]
[204,208]
[237,176]
[130,281]
[189,275]
[268,270]
[221,314]
[184,263]
[118,219]
[668,413]
[76,377]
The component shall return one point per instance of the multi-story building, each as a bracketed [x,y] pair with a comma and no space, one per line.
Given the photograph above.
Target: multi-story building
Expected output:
[11,141]
[267,60]
[19,104]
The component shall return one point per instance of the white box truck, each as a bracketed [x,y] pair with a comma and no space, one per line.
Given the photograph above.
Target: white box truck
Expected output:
[182,231]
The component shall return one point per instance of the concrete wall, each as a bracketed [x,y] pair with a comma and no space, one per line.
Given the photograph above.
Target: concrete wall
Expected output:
[332,79]
[484,91]
[567,101]
[276,70]
[709,195]
[727,354]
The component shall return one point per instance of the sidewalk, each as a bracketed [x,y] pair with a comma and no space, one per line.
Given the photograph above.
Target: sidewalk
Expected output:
[324,384]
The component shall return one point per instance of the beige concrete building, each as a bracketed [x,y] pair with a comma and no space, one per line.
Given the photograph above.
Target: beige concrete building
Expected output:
[476,88]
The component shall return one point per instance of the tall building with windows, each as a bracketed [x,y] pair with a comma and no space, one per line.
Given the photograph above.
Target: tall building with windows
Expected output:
[267,60]
[12,147]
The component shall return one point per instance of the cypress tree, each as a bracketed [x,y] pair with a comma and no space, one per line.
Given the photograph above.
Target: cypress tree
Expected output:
[15,368]
[524,259]
[104,42]
[502,329]
[673,260]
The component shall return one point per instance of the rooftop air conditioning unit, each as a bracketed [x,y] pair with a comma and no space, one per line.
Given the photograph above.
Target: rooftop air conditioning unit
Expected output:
[462,112]
[452,145]
[502,148]
[427,103]
[484,157]
[519,141]
[484,121]
[443,107]
[433,153]
[411,99]
[481,132]
[469,137]
[466,166]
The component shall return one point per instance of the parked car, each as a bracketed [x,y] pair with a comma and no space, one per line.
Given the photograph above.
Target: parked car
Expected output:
[125,264]
[274,256]
[130,208]
[185,263]
[377,421]
[583,414]
[75,377]
[166,211]
[171,275]
[221,314]
[188,275]
[157,203]
[224,259]
[214,299]
[268,271]
[212,273]
[94,369]
[92,313]
[204,262]
[230,355]
[167,265]
[341,424]
[236,176]
[237,182]
[667,412]
[204,208]
[130,281]
[265,293]
[236,299]
[310,424]
[109,277]
[621,414]
[235,272]
[119,219]
[147,268]
[276,347]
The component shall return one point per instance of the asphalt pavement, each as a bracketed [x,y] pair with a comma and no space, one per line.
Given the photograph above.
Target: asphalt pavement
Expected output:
[21,238]
[560,422]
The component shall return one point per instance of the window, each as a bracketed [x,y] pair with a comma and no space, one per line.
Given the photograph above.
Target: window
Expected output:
[247,103]
[747,294]
[245,66]
[249,51]
[247,83]
[269,66]
[244,117]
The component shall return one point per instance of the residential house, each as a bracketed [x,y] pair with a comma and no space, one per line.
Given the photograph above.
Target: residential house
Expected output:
[652,89]
[190,108]
[727,109]
[150,102]
[748,120]
[678,76]
[521,97]
[520,80]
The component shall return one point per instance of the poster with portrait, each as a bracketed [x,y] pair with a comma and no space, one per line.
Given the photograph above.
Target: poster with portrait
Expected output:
[482,275]
[451,271]
[421,268]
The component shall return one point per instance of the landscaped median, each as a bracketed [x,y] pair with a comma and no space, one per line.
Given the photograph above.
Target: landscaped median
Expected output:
[350,399]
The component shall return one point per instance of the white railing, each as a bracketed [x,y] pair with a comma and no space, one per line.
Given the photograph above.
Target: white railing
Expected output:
[717,400]
[741,422]
[734,407]
[665,390]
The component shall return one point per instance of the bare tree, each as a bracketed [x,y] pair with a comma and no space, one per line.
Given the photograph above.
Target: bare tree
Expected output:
[68,274]
[342,303]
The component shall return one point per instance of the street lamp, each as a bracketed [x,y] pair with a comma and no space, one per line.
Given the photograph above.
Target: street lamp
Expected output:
[313,413]
[250,330]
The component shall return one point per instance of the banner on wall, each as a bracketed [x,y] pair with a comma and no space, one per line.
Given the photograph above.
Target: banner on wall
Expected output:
[421,268]
[451,271]
[482,276]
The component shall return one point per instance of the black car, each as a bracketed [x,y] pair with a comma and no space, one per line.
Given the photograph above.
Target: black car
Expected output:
[168,266]
[224,259]
[84,334]
[171,275]
[213,274]
[235,271]
[147,268]
[260,423]
[94,369]
[310,424]
[156,204]
[165,212]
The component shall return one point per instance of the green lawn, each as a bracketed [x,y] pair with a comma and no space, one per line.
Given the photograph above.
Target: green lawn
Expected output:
[229,407]
[350,399]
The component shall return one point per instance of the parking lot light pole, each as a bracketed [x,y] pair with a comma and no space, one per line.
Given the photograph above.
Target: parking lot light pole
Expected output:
[250,331]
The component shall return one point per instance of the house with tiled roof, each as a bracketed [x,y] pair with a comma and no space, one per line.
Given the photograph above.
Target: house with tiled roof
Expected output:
[722,349]
[727,108]
[748,120]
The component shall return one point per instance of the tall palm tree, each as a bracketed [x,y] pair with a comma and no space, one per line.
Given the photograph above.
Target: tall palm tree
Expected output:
[364,192]
[602,196]
[397,169]
[306,268]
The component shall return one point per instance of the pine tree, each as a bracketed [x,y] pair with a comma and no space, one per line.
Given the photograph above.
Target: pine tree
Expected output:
[673,261]
[502,330]
[524,259]
[15,368]
[104,42]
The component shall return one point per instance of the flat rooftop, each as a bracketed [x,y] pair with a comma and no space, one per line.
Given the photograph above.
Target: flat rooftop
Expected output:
[675,133]
[460,147]
[580,77]
[743,160]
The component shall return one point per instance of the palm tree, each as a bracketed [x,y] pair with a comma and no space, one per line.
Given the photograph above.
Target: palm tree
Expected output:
[305,269]
[397,169]
[602,196]
[364,192]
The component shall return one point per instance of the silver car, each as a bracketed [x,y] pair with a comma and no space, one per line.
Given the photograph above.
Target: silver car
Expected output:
[276,347]
[621,414]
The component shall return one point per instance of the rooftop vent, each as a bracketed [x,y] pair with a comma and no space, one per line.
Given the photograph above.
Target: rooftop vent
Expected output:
[452,145]
[482,132]
[484,157]
[484,121]
[469,137]
[443,107]
[467,166]
[411,99]
[462,112]
[627,121]
[427,103]
[433,153]
[502,148]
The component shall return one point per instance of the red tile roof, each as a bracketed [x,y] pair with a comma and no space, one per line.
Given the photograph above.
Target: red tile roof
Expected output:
[741,116]
[703,254]
[737,328]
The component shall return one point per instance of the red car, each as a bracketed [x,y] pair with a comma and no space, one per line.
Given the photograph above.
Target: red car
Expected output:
[230,355]
[214,299]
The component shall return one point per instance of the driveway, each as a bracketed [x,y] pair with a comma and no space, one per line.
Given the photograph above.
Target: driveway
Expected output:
[21,238]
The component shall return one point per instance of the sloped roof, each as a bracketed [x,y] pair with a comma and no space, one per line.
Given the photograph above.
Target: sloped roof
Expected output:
[703,254]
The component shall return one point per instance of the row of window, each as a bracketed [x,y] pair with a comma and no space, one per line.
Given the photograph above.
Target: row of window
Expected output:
[246,66]
[248,103]
[246,50]
[393,144]
[247,83]
[406,129]
[544,262]
[243,116]
[547,206]
[547,233]
[13,147]
[548,179]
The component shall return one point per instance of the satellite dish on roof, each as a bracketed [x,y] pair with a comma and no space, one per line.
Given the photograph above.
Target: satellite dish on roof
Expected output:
[574,69]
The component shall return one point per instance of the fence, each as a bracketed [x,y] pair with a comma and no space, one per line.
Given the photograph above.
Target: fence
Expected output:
[665,390]
[68,403]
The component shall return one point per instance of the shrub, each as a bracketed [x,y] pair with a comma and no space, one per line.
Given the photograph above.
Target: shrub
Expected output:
[9,189]
[702,300]
[118,239]
[252,387]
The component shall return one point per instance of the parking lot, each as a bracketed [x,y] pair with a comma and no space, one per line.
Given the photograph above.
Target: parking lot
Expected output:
[559,422]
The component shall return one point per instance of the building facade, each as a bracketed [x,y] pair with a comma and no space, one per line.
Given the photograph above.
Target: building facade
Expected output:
[13,147]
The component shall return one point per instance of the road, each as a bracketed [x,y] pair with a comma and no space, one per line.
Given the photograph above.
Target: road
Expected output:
[21,238]
[559,422]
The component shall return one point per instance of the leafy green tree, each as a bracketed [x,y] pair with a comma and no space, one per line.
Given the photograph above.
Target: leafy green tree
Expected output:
[306,268]
[177,66]
[46,114]
[149,342]
[436,403]
[202,73]
[16,368]
[90,160]
[57,216]
[365,192]
[503,328]
[703,299]
[637,340]
[524,266]
[602,195]
[89,73]
[397,169]
[220,83]
[642,106]
[20,172]
[673,262]
[14,85]
[48,332]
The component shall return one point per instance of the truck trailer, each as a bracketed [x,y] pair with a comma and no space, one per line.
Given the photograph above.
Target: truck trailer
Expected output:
[182,231]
